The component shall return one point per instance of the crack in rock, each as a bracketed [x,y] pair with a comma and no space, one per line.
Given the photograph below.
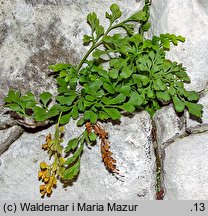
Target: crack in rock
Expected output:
[6,120]
[8,136]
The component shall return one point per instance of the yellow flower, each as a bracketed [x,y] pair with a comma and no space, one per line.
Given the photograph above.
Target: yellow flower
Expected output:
[48,137]
[42,187]
[45,146]
[43,165]
[49,189]
[42,174]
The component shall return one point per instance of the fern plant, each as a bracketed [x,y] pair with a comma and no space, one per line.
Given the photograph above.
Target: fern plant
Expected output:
[138,76]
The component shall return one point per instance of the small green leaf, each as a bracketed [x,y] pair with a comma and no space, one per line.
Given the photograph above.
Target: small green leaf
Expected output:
[92,137]
[90,115]
[106,100]
[72,144]
[94,87]
[53,111]
[90,98]
[125,90]
[126,72]
[192,95]
[194,109]
[136,99]
[107,39]
[172,90]
[81,122]
[66,100]
[141,79]
[75,156]
[145,80]
[128,107]
[113,73]
[80,105]
[139,16]
[65,118]
[87,39]
[88,103]
[150,93]
[13,96]
[180,38]
[116,13]
[102,115]
[59,67]
[118,63]
[98,53]
[178,104]
[109,88]
[99,31]
[181,74]
[166,44]
[99,93]
[72,172]
[113,113]
[146,26]
[163,96]
[100,71]
[93,20]
[30,104]
[15,107]
[39,114]
[129,29]
[28,97]
[118,99]
[75,112]
[137,39]
[45,97]
[63,73]
[64,108]
[159,85]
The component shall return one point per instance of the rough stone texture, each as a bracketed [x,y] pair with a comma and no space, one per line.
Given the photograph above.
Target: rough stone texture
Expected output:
[8,136]
[189,19]
[202,125]
[204,5]
[186,168]
[131,144]
[37,33]
[169,126]
[5,119]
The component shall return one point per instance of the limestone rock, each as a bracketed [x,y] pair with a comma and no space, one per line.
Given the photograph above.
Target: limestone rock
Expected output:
[131,145]
[189,19]
[5,119]
[186,168]
[8,136]
[38,33]
[169,126]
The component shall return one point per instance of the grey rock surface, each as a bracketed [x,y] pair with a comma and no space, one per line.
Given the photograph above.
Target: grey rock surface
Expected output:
[5,119]
[169,126]
[131,145]
[189,19]
[8,136]
[38,33]
[186,168]
[203,4]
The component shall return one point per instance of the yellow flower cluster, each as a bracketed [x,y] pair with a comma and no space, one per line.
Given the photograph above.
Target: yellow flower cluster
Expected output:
[45,146]
[49,179]
[48,174]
